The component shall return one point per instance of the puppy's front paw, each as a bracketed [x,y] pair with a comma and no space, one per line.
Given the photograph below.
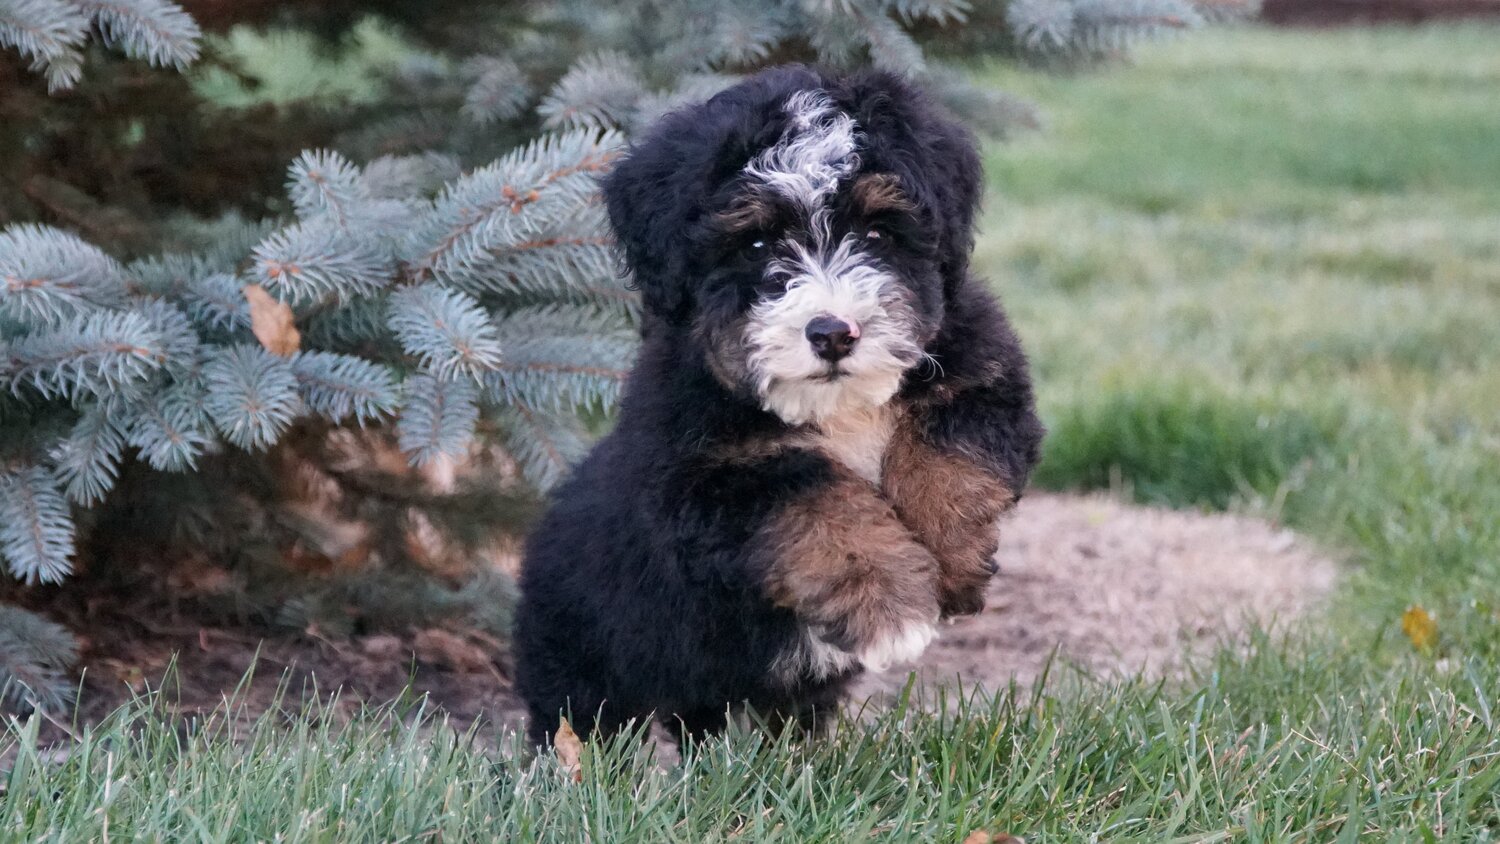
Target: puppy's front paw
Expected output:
[966,598]
[964,584]
[902,644]
[963,605]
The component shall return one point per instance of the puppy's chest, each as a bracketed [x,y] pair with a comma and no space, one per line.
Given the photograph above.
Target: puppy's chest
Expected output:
[859,439]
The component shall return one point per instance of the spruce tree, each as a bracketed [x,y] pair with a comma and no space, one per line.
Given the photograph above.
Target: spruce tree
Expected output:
[435,274]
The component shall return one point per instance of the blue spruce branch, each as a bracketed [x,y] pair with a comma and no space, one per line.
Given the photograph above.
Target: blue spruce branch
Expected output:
[169,273]
[323,182]
[560,358]
[181,345]
[744,34]
[251,395]
[598,92]
[87,461]
[217,302]
[319,259]
[342,387]
[939,11]
[438,418]
[36,526]
[50,33]
[36,656]
[358,326]
[545,443]
[499,90]
[447,331]
[409,176]
[154,31]
[890,47]
[48,275]
[1094,26]
[524,193]
[568,262]
[100,354]
[170,428]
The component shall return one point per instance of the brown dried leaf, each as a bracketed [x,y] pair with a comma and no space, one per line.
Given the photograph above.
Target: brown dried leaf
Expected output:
[272,323]
[979,836]
[569,749]
[1420,626]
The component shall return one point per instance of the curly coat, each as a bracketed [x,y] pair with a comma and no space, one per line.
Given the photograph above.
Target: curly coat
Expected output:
[827,417]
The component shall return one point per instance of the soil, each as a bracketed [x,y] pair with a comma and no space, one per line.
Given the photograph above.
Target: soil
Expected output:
[1108,587]
[1116,590]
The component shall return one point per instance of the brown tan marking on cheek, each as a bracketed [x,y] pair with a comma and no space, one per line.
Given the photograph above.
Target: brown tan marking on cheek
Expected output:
[727,352]
[844,562]
[951,507]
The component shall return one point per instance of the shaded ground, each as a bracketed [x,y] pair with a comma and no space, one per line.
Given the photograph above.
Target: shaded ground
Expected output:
[466,673]
[1111,587]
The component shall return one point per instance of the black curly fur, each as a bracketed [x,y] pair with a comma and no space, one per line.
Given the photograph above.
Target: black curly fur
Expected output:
[643,588]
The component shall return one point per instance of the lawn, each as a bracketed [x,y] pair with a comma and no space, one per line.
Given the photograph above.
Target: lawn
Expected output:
[1256,270]
[1262,270]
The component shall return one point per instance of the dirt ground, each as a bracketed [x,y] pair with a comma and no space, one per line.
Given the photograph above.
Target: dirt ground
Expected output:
[1116,589]
[1110,587]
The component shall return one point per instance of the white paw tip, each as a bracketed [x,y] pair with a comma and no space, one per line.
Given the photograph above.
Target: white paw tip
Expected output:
[902,645]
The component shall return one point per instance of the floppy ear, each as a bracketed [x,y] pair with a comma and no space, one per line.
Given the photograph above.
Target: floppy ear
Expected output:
[640,196]
[939,156]
[657,194]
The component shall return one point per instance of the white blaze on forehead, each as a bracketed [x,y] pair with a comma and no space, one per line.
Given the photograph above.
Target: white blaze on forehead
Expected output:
[813,154]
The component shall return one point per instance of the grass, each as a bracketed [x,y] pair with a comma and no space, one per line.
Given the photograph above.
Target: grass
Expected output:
[1262,748]
[1257,271]
[1261,270]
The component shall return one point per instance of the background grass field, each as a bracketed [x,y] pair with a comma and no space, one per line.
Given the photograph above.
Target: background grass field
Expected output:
[1262,269]
[1256,270]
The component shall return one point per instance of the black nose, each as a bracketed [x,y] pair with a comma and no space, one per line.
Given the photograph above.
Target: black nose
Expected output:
[831,338]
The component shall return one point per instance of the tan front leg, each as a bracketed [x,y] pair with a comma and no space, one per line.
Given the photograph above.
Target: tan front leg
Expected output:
[951,506]
[843,561]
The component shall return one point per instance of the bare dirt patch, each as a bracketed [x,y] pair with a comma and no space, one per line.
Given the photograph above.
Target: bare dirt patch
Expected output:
[1109,586]
[1118,589]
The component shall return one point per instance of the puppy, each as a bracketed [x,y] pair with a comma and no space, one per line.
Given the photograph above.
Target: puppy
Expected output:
[827,417]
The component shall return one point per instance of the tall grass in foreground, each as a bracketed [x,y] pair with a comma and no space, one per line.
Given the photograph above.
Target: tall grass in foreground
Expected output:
[1273,744]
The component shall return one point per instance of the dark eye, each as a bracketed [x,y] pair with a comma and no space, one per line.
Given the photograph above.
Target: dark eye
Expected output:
[756,250]
[771,287]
